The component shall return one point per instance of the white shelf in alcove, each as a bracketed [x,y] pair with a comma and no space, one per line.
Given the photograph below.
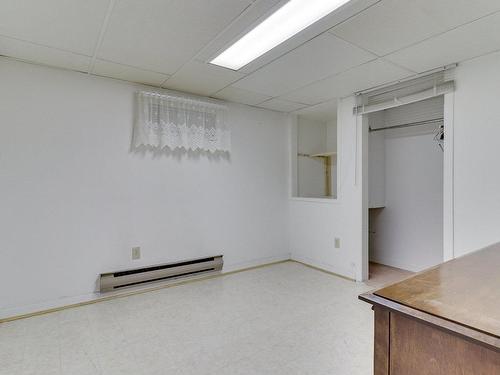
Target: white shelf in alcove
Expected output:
[324,154]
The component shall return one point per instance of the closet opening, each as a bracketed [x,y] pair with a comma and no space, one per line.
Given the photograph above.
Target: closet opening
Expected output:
[405,188]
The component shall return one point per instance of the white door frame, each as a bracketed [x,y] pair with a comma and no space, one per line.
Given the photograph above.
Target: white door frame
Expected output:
[449,179]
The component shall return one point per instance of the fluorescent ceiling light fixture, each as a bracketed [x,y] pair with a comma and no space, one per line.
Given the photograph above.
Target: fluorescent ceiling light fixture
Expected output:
[287,21]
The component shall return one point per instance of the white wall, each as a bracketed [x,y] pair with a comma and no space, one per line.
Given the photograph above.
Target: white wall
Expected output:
[75,200]
[408,232]
[331,135]
[314,224]
[477,154]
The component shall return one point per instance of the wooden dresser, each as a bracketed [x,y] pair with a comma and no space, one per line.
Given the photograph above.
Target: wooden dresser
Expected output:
[443,321]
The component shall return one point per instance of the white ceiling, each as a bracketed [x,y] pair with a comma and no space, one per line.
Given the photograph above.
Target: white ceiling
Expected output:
[167,43]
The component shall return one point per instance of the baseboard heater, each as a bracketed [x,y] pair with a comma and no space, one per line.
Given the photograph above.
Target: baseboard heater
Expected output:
[133,277]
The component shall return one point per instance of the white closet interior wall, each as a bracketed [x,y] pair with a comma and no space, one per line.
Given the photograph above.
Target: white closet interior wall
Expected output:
[406,187]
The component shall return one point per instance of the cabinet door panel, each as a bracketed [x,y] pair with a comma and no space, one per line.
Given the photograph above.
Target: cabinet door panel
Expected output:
[420,349]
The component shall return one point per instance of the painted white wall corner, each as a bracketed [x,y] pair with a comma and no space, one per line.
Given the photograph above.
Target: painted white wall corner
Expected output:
[314,224]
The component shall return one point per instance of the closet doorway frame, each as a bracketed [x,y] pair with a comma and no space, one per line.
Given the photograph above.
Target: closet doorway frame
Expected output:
[448,184]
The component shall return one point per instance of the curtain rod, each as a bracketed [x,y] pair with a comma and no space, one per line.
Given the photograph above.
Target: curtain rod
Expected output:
[186,98]
[417,123]
[426,74]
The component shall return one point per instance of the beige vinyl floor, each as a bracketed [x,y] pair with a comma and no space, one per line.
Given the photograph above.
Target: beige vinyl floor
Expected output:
[382,275]
[281,319]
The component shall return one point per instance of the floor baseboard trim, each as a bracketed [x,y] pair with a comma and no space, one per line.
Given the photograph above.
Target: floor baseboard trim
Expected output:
[89,300]
[320,268]
[255,263]
[393,267]
[404,267]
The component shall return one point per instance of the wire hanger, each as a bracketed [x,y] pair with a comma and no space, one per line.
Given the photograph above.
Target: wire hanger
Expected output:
[439,137]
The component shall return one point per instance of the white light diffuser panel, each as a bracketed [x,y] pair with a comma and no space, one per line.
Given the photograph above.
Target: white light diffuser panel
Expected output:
[287,21]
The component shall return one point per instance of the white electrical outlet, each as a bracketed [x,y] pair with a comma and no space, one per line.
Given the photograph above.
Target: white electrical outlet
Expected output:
[337,243]
[136,253]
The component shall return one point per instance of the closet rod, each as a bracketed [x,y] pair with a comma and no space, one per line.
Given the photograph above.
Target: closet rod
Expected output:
[417,123]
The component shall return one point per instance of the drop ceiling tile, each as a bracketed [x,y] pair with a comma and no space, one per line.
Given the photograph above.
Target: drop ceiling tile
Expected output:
[128,73]
[234,94]
[468,41]
[161,35]
[323,56]
[322,112]
[73,25]
[394,24]
[252,16]
[201,78]
[365,76]
[281,105]
[43,55]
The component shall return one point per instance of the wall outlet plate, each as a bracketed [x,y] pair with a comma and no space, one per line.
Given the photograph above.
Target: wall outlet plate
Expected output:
[337,243]
[136,253]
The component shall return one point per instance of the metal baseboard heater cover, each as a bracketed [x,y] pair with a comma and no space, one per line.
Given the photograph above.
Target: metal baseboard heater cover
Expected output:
[113,281]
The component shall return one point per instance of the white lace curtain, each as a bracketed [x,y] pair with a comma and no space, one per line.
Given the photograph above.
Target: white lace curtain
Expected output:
[178,122]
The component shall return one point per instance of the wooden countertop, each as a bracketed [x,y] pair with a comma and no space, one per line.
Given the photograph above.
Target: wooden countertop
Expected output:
[465,290]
